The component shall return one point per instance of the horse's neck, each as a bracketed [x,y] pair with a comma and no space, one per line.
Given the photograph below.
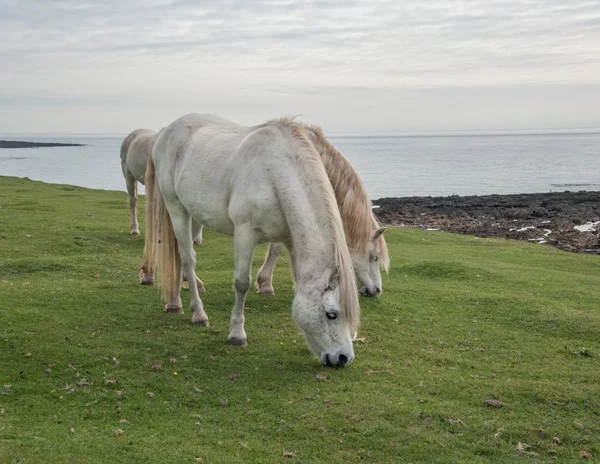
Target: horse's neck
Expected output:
[307,205]
[312,247]
[342,175]
[351,196]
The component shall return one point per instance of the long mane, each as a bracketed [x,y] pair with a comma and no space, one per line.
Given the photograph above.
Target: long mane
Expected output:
[352,199]
[347,284]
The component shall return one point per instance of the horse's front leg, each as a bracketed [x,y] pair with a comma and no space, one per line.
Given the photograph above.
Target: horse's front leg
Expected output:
[244,246]
[264,278]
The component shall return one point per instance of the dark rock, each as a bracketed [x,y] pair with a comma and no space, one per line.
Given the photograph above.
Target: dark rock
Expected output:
[21,144]
[523,216]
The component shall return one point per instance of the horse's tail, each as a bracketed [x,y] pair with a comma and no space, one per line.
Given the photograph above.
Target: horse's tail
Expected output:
[151,237]
[125,145]
[160,248]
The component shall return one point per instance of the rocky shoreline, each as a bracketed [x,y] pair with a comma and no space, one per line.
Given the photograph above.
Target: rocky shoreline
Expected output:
[566,220]
[23,144]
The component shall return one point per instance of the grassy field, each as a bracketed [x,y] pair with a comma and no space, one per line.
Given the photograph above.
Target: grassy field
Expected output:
[92,369]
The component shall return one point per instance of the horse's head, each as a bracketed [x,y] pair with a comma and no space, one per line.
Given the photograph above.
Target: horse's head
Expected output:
[367,265]
[323,321]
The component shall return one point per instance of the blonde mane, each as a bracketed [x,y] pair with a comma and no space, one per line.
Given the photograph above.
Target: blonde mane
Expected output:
[351,196]
[350,308]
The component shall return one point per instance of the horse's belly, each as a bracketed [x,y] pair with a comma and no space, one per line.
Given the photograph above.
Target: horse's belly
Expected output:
[137,168]
[262,213]
[212,219]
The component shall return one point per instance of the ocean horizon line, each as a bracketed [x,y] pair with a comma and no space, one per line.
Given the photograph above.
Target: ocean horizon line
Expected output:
[348,134]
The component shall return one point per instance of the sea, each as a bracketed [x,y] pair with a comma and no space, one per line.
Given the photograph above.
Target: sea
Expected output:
[389,165]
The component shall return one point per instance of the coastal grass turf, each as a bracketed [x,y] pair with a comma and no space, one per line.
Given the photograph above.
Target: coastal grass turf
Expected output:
[93,370]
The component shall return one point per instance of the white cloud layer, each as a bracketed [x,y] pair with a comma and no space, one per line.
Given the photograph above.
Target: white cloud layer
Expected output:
[366,66]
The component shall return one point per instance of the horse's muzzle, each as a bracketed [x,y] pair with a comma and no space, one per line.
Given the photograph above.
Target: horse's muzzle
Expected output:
[373,291]
[339,360]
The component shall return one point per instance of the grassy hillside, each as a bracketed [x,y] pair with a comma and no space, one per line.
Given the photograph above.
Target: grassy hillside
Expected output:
[92,369]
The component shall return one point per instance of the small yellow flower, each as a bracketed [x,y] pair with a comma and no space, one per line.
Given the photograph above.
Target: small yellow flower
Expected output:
[175,373]
[281,343]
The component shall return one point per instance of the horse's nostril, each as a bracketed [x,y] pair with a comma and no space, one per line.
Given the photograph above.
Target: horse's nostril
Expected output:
[377,291]
[342,360]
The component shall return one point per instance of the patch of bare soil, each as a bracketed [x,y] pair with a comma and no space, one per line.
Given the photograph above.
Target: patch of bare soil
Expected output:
[564,220]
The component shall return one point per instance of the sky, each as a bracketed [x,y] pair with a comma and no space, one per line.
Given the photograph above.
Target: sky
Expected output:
[352,67]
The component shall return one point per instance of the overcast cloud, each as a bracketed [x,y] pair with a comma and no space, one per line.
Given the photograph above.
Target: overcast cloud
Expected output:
[351,66]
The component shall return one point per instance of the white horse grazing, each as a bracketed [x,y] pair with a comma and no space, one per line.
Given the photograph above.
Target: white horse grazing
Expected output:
[135,151]
[260,184]
[363,233]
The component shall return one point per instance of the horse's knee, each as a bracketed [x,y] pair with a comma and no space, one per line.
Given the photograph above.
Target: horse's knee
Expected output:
[242,285]
[188,258]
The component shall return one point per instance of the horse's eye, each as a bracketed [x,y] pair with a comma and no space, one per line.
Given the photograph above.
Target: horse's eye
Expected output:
[376,258]
[331,316]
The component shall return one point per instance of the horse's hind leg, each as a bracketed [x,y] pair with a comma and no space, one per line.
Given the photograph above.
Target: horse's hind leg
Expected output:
[173,305]
[182,226]
[264,278]
[244,245]
[199,283]
[146,276]
[132,197]
[197,234]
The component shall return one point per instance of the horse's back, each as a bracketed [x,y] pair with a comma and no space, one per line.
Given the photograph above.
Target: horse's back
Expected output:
[135,150]
[221,172]
[127,141]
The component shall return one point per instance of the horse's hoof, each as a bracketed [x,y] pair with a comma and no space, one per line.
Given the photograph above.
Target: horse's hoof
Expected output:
[135,232]
[234,341]
[265,291]
[201,321]
[174,309]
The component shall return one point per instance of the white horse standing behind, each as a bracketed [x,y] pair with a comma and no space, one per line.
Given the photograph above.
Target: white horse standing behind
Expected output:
[260,184]
[136,149]
[364,235]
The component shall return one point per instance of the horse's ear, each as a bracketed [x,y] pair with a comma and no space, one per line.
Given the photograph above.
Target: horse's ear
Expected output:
[378,233]
[334,279]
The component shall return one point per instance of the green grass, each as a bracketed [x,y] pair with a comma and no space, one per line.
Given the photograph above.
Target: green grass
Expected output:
[461,320]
